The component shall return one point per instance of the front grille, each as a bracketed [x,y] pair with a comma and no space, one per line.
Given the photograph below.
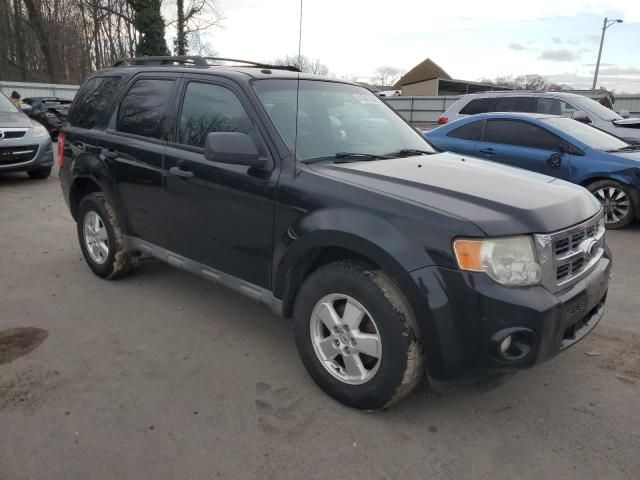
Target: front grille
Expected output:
[567,255]
[12,134]
[18,154]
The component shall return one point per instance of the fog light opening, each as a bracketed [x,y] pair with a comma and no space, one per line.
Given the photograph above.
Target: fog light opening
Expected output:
[513,344]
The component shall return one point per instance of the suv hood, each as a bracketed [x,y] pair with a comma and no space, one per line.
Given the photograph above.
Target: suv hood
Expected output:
[500,200]
[14,120]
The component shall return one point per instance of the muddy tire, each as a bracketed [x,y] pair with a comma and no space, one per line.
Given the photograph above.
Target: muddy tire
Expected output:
[101,238]
[353,329]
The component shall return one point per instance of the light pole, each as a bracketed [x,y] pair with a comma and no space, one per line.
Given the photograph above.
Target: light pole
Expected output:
[606,24]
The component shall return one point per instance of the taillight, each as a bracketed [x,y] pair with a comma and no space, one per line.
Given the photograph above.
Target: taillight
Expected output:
[61,138]
[49,115]
[442,120]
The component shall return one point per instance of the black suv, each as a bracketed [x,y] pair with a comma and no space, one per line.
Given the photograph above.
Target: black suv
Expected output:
[313,197]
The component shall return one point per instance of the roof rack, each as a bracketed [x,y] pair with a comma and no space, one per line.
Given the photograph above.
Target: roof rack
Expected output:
[195,61]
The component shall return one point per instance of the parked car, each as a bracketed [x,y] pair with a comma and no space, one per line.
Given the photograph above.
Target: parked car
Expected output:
[571,105]
[25,145]
[560,147]
[391,259]
[49,111]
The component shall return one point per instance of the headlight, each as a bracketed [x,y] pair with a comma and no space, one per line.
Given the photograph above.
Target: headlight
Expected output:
[38,130]
[509,261]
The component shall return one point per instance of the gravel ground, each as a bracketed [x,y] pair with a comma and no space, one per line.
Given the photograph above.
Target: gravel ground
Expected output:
[165,375]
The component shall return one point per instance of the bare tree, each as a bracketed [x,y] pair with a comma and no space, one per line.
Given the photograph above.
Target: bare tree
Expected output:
[530,81]
[304,63]
[387,76]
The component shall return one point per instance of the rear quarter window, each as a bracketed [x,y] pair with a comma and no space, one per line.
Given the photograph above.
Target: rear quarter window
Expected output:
[470,131]
[479,105]
[94,102]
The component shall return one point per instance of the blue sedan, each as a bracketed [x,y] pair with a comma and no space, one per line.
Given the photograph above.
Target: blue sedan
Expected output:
[556,146]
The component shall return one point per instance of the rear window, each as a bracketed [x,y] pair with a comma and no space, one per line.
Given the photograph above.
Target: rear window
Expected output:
[94,102]
[470,131]
[479,105]
[142,110]
[515,104]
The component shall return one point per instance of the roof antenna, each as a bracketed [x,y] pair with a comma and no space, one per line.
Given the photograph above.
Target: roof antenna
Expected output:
[295,145]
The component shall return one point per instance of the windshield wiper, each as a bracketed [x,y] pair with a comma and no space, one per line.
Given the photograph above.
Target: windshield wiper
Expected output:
[408,152]
[347,156]
[628,148]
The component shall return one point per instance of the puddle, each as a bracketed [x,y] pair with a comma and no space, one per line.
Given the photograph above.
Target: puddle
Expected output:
[16,342]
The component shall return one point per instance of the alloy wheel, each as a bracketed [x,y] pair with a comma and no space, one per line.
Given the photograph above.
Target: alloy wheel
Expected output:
[345,339]
[95,237]
[615,202]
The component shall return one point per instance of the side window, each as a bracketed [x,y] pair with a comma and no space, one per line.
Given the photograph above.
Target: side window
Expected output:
[470,131]
[210,108]
[512,132]
[142,110]
[94,102]
[554,106]
[515,104]
[479,105]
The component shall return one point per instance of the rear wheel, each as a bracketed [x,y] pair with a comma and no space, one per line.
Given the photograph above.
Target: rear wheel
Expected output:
[101,238]
[616,202]
[354,333]
[40,173]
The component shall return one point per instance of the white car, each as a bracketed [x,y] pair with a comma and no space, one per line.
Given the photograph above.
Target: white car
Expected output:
[565,104]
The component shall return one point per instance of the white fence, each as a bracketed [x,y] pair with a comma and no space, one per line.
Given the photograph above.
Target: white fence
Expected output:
[428,109]
[27,90]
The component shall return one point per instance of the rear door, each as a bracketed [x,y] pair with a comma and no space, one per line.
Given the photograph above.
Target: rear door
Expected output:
[133,148]
[219,214]
[522,144]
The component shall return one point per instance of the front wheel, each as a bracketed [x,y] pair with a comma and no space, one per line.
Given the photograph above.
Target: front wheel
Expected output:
[354,333]
[40,173]
[616,202]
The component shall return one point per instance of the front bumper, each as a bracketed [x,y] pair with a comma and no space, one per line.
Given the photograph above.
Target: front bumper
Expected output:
[42,158]
[470,314]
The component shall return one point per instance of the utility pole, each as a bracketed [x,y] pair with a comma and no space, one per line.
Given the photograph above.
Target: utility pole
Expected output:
[606,24]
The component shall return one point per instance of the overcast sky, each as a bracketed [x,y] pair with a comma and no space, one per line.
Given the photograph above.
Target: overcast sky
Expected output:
[469,39]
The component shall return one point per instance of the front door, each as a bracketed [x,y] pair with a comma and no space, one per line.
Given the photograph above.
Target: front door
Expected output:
[219,214]
[524,145]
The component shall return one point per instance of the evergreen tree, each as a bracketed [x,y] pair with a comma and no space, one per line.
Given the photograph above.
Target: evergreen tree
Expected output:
[149,22]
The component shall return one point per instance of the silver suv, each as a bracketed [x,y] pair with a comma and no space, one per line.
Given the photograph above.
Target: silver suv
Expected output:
[565,104]
[25,145]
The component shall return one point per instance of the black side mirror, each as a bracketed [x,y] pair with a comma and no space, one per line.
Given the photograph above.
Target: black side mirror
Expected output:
[554,160]
[232,147]
[580,116]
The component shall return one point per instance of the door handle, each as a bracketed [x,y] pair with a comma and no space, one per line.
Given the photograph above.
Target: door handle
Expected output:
[109,153]
[178,172]
[488,151]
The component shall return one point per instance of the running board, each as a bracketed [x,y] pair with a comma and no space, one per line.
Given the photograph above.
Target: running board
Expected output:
[259,294]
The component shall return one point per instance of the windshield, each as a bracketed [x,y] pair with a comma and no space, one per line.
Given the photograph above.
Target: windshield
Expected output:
[334,118]
[590,136]
[591,106]
[6,105]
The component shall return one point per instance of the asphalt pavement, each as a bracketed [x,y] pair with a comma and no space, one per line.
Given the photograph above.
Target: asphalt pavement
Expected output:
[164,375]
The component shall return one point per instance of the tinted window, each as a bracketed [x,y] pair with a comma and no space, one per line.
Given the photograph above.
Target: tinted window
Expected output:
[553,106]
[142,109]
[471,131]
[515,104]
[523,134]
[479,105]
[210,108]
[94,102]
